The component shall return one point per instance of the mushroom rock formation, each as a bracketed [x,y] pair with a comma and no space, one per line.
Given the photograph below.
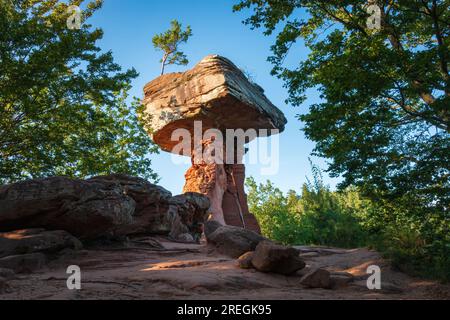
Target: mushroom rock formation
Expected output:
[218,95]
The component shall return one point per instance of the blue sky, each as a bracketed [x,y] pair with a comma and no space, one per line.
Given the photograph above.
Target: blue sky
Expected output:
[129,26]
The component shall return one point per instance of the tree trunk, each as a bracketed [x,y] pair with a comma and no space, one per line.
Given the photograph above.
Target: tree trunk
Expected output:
[163,63]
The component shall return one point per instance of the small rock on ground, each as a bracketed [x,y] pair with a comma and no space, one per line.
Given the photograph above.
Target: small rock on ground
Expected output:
[245,261]
[270,257]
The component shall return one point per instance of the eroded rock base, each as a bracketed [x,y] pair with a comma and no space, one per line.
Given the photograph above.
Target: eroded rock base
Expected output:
[224,186]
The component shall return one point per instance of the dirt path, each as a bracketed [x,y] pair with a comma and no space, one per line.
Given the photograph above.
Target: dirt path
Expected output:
[195,272]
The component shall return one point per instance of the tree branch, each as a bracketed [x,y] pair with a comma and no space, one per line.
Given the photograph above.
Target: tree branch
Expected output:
[442,50]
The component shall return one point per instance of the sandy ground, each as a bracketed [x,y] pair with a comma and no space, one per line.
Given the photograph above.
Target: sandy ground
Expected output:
[185,272]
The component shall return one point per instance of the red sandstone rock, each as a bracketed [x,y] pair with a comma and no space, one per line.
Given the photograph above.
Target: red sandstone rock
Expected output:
[85,209]
[271,257]
[215,92]
[219,95]
[114,205]
[36,240]
[317,278]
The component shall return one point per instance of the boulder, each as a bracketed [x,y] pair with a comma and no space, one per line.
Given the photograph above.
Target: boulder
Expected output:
[192,210]
[215,92]
[234,241]
[116,205]
[211,226]
[270,257]
[157,212]
[308,255]
[84,209]
[36,240]
[182,214]
[317,278]
[245,261]
[24,263]
[151,204]
[302,272]
[198,201]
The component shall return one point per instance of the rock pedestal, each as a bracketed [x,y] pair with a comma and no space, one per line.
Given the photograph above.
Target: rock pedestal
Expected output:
[218,96]
[224,186]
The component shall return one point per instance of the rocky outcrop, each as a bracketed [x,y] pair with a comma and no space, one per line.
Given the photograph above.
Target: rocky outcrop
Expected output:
[86,209]
[145,194]
[270,257]
[319,278]
[215,95]
[115,205]
[340,279]
[233,241]
[158,212]
[234,201]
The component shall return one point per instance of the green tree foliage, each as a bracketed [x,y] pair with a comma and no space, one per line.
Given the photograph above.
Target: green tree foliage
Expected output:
[383,120]
[169,42]
[319,216]
[316,216]
[62,101]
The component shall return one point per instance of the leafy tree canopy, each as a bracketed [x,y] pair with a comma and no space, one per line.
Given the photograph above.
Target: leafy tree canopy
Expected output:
[383,120]
[315,216]
[62,101]
[318,216]
[169,43]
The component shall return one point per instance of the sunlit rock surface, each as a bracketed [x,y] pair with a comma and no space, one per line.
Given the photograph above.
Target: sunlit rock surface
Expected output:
[216,92]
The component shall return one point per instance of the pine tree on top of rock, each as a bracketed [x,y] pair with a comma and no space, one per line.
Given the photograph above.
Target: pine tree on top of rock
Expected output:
[169,41]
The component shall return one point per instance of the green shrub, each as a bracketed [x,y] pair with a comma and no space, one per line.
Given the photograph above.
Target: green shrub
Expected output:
[416,240]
